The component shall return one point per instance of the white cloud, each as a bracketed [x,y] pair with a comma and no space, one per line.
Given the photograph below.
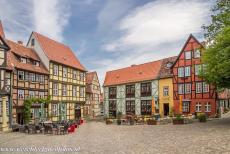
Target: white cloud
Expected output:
[153,31]
[50,17]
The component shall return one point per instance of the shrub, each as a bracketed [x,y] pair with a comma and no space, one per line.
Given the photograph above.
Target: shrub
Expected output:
[202,117]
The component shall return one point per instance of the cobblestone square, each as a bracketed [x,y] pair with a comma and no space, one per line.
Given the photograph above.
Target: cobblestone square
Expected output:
[97,137]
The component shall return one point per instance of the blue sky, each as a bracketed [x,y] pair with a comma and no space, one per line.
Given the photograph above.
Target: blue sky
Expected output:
[109,34]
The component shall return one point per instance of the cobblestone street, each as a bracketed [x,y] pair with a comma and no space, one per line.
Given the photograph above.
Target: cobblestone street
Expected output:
[96,137]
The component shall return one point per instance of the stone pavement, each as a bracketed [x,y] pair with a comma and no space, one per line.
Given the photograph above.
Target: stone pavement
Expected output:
[96,137]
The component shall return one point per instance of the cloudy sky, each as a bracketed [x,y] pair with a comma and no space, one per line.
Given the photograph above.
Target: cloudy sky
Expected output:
[109,34]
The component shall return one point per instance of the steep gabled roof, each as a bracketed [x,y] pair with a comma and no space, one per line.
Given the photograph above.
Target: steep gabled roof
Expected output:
[134,73]
[20,50]
[189,38]
[166,71]
[90,76]
[2,34]
[58,52]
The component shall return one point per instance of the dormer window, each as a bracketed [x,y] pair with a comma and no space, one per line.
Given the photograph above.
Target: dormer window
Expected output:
[36,63]
[23,60]
[32,42]
[168,65]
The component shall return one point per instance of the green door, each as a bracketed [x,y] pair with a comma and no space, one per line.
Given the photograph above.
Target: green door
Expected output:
[62,111]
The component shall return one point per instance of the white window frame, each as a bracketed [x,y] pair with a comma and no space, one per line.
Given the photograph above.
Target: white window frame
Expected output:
[32,77]
[31,94]
[55,70]
[197,69]
[21,94]
[166,91]
[81,76]
[74,91]
[54,109]
[208,107]
[180,88]
[197,53]
[180,71]
[55,89]
[65,72]
[41,94]
[205,87]
[64,90]
[187,71]
[185,106]
[81,91]
[187,88]
[188,55]
[198,107]
[74,74]
[198,87]
[22,74]
[23,60]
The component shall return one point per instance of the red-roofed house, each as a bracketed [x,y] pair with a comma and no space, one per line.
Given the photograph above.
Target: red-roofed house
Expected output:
[132,90]
[93,91]
[67,77]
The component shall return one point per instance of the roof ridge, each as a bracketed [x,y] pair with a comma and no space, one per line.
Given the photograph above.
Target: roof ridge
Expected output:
[2,33]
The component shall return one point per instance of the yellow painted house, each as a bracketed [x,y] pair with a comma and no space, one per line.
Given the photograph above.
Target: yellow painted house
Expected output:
[67,79]
[166,87]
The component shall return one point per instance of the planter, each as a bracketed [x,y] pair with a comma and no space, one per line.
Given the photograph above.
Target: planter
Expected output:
[131,122]
[151,122]
[108,122]
[118,122]
[178,121]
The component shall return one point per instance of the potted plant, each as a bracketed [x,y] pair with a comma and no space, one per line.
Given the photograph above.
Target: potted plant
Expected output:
[108,121]
[179,120]
[119,118]
[202,117]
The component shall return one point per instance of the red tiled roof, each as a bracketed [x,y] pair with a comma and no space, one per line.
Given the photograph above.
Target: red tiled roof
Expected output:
[165,70]
[58,52]
[20,50]
[2,30]
[90,76]
[135,73]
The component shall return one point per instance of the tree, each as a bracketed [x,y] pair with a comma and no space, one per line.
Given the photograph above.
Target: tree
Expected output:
[217,54]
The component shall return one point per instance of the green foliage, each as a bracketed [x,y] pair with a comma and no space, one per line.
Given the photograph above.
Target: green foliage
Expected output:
[217,55]
[27,107]
[220,19]
[202,117]
[179,117]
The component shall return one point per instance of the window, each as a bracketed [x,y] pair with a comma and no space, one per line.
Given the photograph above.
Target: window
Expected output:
[146,89]
[198,107]
[31,94]
[81,76]
[42,78]
[197,53]
[32,42]
[187,71]
[20,94]
[55,89]
[205,87]
[74,91]
[32,77]
[26,76]
[23,60]
[112,92]
[130,107]
[188,55]
[185,106]
[198,87]
[169,64]
[146,107]
[180,88]
[165,91]
[21,75]
[7,107]
[187,88]
[55,70]
[31,113]
[64,90]
[36,63]
[181,72]
[0,108]
[208,107]
[130,90]
[112,108]
[64,72]
[82,91]
[41,95]
[74,74]
[197,69]
[54,108]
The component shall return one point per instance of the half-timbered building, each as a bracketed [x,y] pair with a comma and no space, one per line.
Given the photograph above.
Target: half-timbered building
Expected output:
[191,93]
[67,77]
[5,84]
[29,80]
[93,92]
[132,90]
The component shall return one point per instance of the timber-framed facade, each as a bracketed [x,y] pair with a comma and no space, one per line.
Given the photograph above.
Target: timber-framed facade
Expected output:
[66,77]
